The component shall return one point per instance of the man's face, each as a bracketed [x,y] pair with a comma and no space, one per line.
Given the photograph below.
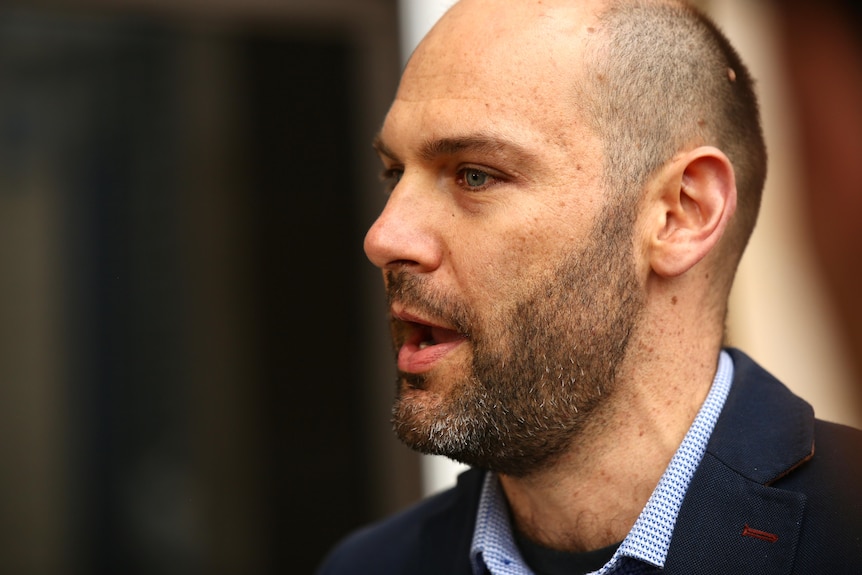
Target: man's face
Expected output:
[511,280]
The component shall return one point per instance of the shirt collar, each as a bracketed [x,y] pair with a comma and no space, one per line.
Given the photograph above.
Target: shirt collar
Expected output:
[493,545]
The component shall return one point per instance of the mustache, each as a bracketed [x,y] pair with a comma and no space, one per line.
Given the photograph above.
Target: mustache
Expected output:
[413,292]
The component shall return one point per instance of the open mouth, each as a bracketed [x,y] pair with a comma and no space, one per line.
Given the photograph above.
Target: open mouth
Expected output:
[425,336]
[425,344]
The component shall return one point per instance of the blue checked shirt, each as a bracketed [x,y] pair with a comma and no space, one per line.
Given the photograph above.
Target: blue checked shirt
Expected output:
[644,549]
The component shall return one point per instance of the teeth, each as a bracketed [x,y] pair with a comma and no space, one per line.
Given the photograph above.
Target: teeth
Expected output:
[425,344]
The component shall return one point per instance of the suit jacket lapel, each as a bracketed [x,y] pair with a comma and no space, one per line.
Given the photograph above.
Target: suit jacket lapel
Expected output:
[729,524]
[731,520]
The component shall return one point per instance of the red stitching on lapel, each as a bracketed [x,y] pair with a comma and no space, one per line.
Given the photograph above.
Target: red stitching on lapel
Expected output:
[758,534]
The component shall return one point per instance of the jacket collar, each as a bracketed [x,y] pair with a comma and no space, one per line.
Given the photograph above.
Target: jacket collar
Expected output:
[731,520]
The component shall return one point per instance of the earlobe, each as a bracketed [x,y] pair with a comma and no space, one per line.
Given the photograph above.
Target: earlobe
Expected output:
[697,197]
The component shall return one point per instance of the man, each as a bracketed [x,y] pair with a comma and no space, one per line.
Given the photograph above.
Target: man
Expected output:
[573,183]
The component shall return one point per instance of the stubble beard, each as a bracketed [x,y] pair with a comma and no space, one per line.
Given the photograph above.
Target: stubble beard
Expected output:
[540,366]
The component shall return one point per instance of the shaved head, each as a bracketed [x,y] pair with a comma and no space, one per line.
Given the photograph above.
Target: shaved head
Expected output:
[650,77]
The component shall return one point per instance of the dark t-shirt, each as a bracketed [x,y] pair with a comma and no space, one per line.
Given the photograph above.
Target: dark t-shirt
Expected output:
[545,561]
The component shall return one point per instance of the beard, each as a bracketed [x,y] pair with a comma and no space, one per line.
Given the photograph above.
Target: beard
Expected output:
[541,364]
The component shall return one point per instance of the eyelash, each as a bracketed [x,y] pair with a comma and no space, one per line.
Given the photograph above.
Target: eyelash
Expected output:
[390,178]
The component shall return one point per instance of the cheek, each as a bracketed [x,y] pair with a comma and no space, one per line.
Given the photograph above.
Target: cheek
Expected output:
[503,256]
[507,268]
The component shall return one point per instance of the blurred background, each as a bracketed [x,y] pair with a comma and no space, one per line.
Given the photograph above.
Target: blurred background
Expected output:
[195,375]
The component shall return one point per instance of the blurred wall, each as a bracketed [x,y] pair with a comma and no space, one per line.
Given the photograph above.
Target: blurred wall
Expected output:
[195,375]
[782,311]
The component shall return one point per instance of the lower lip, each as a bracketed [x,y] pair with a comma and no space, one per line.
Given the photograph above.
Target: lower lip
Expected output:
[413,359]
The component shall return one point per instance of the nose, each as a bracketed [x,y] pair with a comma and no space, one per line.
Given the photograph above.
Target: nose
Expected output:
[403,235]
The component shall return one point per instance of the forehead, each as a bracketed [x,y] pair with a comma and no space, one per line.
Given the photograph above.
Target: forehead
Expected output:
[500,66]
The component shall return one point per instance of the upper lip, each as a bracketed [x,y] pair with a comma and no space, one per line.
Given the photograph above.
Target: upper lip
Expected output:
[409,317]
[419,330]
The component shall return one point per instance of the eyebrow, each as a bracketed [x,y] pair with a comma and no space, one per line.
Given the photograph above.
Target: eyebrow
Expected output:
[482,143]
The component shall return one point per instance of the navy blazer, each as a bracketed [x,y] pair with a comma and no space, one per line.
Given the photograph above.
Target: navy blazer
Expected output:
[777,492]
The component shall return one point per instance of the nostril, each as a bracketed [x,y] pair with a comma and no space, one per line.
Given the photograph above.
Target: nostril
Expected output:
[398,264]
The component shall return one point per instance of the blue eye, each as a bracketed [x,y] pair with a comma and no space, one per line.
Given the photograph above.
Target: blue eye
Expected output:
[475,178]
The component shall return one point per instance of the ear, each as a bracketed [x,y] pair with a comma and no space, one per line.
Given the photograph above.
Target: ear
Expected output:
[696,196]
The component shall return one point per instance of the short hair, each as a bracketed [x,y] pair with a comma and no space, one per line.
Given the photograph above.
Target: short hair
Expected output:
[661,77]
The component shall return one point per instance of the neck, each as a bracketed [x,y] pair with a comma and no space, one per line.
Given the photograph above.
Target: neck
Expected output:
[592,496]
